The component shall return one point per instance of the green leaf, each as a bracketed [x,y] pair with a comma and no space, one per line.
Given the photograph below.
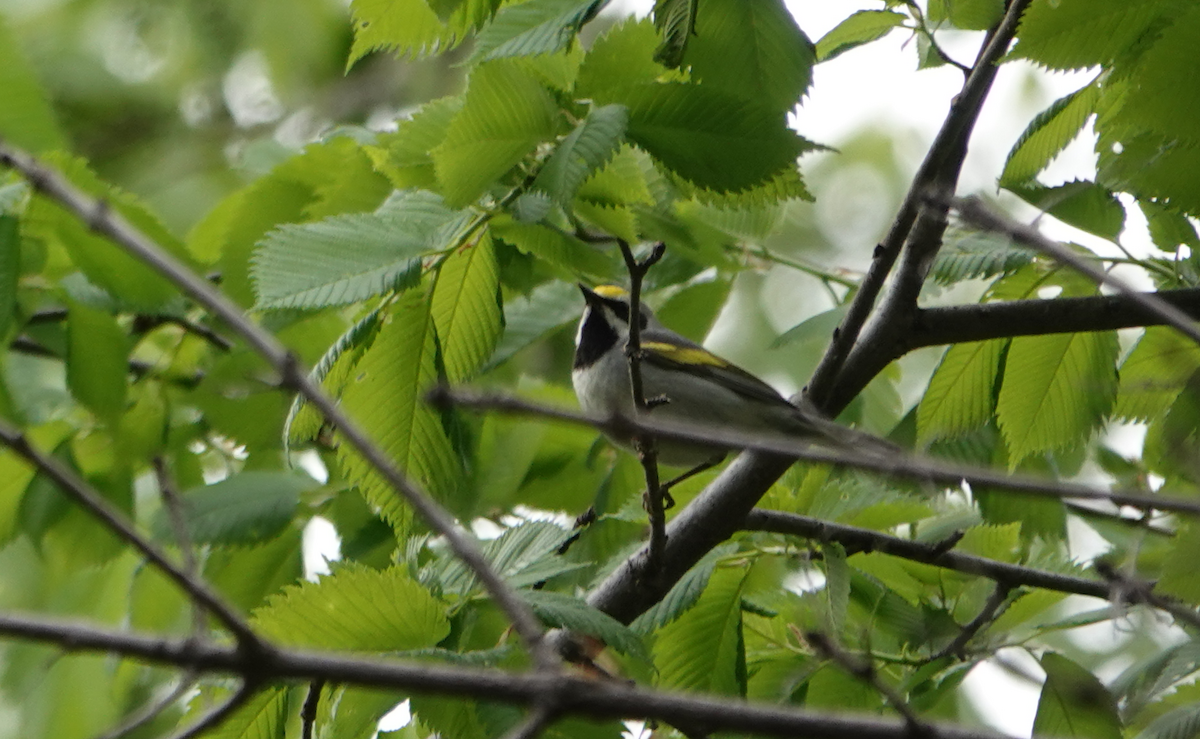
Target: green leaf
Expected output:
[710,137]
[860,28]
[27,119]
[554,246]
[1082,204]
[97,361]
[675,20]
[972,254]
[103,263]
[1155,372]
[386,398]
[533,27]
[703,650]
[264,716]
[1048,134]
[1072,34]
[753,50]
[622,56]
[836,593]
[975,15]
[505,114]
[409,28]
[346,258]
[584,151]
[355,608]
[1056,389]
[1179,568]
[528,319]
[403,155]
[962,391]
[683,594]
[1074,703]
[466,308]
[1169,228]
[1180,723]
[248,507]
[10,272]
[565,612]
[523,555]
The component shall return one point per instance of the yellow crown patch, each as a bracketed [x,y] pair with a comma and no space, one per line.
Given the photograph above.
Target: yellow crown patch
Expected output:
[611,291]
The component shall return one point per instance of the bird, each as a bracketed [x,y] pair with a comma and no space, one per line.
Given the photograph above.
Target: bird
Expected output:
[688,385]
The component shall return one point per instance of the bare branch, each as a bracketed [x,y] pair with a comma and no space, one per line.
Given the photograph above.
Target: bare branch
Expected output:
[975,212]
[577,696]
[174,506]
[646,447]
[856,540]
[533,724]
[987,614]
[220,712]
[908,466]
[116,228]
[151,711]
[308,712]
[115,520]
[941,165]
[864,670]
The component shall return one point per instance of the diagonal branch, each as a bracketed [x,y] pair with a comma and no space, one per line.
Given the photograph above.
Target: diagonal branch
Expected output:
[577,695]
[116,521]
[103,220]
[995,603]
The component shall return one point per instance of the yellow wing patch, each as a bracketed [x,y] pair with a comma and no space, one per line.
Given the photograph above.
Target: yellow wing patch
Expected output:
[611,291]
[684,354]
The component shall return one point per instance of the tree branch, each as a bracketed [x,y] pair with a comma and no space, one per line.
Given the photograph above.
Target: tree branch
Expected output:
[578,696]
[87,496]
[646,447]
[987,614]
[103,220]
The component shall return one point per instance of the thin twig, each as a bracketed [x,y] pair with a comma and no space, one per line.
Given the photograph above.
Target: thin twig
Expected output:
[987,614]
[975,212]
[220,712]
[103,220]
[538,718]
[1134,591]
[577,695]
[151,711]
[948,145]
[308,712]
[116,521]
[179,528]
[856,540]
[864,670]
[646,446]
[908,466]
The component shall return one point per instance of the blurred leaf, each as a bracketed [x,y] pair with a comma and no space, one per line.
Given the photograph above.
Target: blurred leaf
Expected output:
[1155,372]
[355,608]
[97,361]
[623,55]
[1072,34]
[1169,228]
[263,716]
[860,28]
[970,255]
[683,594]
[10,271]
[409,28]
[1179,569]
[1074,703]
[404,154]
[527,319]
[564,612]
[555,247]
[247,507]
[26,119]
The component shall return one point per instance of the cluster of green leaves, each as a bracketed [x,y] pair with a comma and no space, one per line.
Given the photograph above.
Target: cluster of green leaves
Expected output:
[445,251]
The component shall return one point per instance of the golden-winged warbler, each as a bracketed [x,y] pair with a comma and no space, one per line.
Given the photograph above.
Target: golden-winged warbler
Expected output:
[698,386]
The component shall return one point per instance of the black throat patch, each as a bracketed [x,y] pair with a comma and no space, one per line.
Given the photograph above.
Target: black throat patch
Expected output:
[595,338]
